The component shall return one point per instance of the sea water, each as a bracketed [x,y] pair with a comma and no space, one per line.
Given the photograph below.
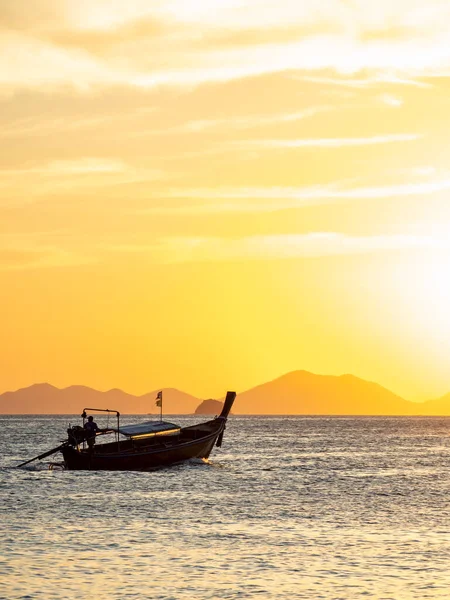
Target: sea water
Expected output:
[289,507]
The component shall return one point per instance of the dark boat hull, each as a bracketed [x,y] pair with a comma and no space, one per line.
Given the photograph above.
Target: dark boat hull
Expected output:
[144,458]
[154,452]
[144,449]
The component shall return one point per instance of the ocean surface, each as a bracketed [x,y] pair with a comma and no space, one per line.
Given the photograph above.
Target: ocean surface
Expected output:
[289,507]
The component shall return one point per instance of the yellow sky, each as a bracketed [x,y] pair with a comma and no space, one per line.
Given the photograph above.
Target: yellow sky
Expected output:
[207,195]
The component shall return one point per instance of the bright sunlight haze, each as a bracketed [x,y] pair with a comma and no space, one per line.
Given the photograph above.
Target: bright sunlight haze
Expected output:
[207,195]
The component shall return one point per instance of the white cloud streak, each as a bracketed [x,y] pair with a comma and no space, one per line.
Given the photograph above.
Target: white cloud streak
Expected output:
[236,123]
[391,100]
[250,121]
[22,252]
[38,250]
[25,184]
[364,82]
[268,199]
[332,142]
[82,166]
[414,44]
[290,246]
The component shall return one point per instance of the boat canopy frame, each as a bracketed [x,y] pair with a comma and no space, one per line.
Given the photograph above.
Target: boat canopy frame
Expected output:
[105,410]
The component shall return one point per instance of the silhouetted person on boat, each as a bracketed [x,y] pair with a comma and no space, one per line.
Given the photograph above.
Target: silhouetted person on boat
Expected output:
[91,428]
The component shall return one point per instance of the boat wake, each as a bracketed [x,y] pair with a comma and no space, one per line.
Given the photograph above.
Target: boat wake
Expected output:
[43,466]
[197,461]
[204,461]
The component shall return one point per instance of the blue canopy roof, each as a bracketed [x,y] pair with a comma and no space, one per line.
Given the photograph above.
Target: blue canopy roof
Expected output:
[149,428]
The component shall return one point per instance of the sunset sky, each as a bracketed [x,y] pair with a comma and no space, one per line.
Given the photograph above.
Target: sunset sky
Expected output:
[207,195]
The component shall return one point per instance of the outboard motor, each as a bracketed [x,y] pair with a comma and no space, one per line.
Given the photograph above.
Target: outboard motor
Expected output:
[76,435]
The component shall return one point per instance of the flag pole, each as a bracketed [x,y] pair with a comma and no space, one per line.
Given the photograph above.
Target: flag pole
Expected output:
[159,401]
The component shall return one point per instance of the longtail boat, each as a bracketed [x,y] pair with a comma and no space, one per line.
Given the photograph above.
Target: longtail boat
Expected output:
[142,447]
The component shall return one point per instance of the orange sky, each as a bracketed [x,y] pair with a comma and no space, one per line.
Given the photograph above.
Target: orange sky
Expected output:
[207,195]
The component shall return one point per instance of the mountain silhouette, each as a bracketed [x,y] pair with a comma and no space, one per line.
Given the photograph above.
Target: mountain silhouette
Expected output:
[43,398]
[298,392]
[301,392]
[438,407]
[209,407]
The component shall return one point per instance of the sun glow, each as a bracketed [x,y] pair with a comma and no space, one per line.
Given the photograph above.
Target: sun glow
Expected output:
[250,187]
[427,284]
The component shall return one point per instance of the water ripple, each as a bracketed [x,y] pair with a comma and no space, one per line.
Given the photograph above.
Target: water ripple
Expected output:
[334,508]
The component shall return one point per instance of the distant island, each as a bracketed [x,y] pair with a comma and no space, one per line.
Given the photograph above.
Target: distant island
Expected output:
[296,393]
[209,407]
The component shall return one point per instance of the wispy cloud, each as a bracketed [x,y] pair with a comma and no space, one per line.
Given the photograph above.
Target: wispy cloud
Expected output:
[59,176]
[289,246]
[232,122]
[42,259]
[332,142]
[39,250]
[267,199]
[391,100]
[358,82]
[36,126]
[39,125]
[212,249]
[263,144]
[84,166]
[250,121]
[70,167]
[346,38]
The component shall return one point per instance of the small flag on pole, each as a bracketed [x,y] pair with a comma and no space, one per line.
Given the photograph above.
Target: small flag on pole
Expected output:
[159,403]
